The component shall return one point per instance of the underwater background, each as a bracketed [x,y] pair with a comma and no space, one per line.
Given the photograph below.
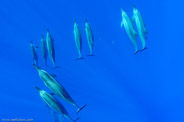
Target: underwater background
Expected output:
[116,85]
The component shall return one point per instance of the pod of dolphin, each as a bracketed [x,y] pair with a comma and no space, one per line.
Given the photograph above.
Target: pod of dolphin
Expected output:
[47,49]
[129,28]
[78,38]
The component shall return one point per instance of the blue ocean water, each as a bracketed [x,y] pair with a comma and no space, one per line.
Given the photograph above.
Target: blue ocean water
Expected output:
[116,85]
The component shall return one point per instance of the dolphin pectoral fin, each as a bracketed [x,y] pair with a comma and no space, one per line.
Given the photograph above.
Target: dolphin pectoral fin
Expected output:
[79,109]
[53,75]
[75,120]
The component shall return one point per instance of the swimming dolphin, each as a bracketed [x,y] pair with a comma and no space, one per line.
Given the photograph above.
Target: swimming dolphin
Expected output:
[127,23]
[50,47]
[56,87]
[34,53]
[89,35]
[54,103]
[44,48]
[78,39]
[140,26]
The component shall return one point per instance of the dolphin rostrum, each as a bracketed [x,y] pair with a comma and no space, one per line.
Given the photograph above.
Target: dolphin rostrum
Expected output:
[127,23]
[44,50]
[89,35]
[34,53]
[54,103]
[140,26]
[78,39]
[56,87]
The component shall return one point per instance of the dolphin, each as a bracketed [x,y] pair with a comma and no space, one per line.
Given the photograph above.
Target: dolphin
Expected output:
[78,39]
[51,101]
[34,53]
[127,23]
[56,87]
[44,48]
[50,47]
[140,26]
[89,35]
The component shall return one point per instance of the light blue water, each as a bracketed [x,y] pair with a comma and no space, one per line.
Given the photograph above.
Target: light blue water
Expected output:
[116,85]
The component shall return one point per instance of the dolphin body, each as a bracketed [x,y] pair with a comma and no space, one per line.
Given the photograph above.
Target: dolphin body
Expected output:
[56,87]
[50,47]
[34,53]
[127,23]
[44,48]
[54,103]
[140,26]
[78,39]
[89,35]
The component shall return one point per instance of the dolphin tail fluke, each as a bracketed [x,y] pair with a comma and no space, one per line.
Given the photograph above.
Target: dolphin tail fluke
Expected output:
[47,29]
[37,88]
[35,62]
[79,109]
[79,58]
[55,67]
[45,63]
[143,49]
[91,55]
[134,6]
[75,120]
[36,67]
[136,52]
